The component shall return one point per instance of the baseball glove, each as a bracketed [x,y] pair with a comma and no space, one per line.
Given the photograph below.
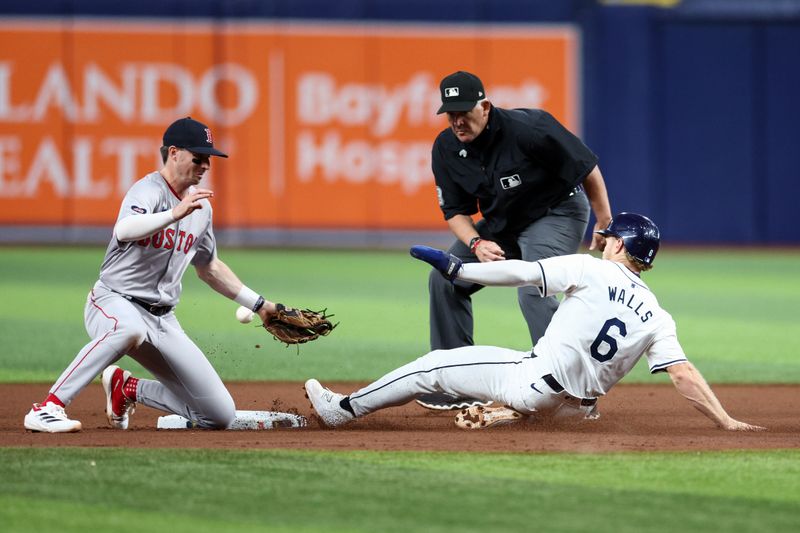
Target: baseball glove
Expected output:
[298,326]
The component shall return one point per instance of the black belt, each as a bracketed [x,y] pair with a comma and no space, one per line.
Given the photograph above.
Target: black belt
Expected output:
[576,190]
[156,310]
[557,388]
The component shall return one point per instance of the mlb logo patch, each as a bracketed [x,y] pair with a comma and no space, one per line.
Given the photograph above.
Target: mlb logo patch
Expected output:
[509,182]
[209,139]
[137,209]
[450,92]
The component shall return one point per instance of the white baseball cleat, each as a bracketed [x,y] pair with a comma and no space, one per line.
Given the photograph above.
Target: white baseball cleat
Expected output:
[118,406]
[50,418]
[480,417]
[326,403]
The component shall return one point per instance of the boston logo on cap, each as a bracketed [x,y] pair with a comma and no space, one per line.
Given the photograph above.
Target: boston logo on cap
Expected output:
[192,135]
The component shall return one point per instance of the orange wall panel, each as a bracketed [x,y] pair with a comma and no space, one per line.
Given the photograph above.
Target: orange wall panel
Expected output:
[326,127]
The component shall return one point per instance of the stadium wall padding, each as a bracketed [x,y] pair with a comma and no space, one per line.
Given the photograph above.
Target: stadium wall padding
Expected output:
[690,105]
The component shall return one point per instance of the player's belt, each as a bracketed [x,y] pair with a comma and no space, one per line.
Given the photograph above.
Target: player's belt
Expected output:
[557,388]
[156,310]
[576,190]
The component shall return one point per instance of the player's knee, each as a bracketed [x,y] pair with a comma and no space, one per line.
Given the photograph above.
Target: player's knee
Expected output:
[226,415]
[133,335]
[433,355]
[219,416]
[222,420]
[429,361]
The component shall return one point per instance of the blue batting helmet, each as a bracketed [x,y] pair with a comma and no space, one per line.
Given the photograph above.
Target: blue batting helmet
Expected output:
[638,233]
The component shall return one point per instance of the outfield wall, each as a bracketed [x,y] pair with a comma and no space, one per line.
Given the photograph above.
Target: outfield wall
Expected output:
[328,109]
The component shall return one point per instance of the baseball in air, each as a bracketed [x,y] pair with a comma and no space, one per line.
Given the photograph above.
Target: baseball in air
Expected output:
[244,315]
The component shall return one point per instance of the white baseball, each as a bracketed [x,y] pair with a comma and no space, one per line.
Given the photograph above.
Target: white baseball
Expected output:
[244,315]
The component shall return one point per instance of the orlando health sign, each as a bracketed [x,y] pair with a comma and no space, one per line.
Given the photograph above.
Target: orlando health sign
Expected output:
[327,125]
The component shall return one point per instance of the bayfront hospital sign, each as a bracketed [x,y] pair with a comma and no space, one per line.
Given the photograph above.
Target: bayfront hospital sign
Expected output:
[327,125]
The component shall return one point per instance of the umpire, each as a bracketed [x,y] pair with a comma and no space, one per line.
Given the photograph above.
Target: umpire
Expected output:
[532,181]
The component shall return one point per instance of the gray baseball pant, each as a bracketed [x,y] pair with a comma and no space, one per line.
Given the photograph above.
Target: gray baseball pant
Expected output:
[187,383]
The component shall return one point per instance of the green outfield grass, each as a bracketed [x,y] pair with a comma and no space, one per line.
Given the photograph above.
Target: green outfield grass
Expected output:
[154,490]
[736,313]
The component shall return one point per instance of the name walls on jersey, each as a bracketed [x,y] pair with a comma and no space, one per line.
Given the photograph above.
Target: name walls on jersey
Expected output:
[618,295]
[327,109]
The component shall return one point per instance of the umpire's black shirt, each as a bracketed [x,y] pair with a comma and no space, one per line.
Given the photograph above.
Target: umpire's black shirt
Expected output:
[522,164]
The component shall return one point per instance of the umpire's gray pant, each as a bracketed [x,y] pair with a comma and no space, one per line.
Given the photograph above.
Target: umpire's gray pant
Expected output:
[559,232]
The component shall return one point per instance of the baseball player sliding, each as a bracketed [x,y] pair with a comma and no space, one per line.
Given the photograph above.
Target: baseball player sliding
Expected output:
[164,225]
[608,319]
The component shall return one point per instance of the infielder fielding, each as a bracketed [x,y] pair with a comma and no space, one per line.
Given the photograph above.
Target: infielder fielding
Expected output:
[164,224]
[608,319]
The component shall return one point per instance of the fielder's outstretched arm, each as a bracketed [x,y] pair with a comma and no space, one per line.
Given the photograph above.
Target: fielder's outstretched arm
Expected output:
[222,279]
[690,383]
[509,273]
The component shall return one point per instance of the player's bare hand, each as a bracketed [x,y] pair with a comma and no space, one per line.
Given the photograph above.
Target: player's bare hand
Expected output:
[487,251]
[598,241]
[191,202]
[736,425]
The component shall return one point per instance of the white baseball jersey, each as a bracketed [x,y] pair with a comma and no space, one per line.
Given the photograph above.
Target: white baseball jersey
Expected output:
[608,319]
[606,322]
[151,268]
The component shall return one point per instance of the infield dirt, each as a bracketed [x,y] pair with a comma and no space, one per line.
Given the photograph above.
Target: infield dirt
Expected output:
[633,418]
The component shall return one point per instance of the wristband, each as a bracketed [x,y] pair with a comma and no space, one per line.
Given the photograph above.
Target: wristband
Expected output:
[473,244]
[249,298]
[259,304]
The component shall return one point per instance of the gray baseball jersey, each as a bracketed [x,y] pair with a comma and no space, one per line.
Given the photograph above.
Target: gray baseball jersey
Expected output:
[151,270]
[607,321]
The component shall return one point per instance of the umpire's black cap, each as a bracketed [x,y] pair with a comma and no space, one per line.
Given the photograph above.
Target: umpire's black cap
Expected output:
[460,92]
[192,135]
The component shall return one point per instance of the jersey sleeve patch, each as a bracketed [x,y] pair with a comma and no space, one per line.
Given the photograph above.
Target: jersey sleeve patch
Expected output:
[137,209]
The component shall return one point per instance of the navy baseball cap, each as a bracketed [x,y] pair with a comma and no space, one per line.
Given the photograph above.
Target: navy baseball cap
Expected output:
[460,92]
[192,135]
